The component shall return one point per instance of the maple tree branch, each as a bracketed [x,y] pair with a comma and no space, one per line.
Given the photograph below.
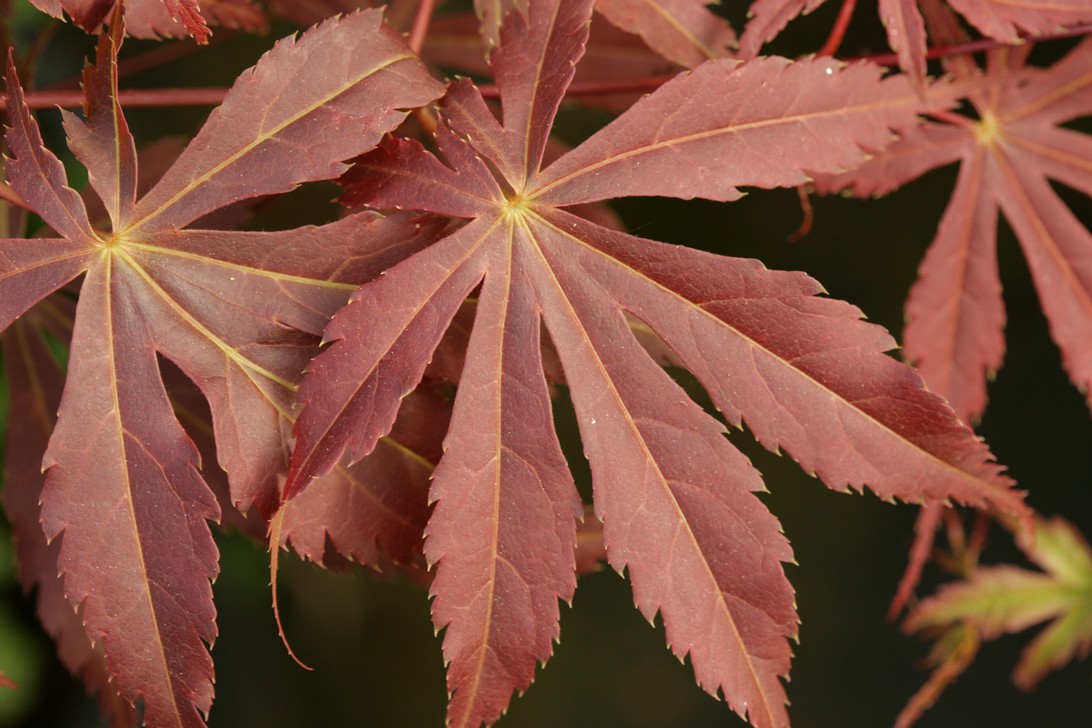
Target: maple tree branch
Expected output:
[9,195]
[73,98]
[838,32]
[951,117]
[420,25]
[807,212]
[214,96]
[974,46]
[645,84]
[151,59]
[38,47]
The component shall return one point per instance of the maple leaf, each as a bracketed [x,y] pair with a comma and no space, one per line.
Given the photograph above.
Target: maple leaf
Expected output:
[161,18]
[1005,599]
[675,497]
[906,36]
[955,314]
[238,312]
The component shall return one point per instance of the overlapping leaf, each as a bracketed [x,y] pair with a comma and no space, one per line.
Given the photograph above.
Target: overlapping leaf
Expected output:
[161,18]
[955,313]
[237,312]
[766,20]
[674,496]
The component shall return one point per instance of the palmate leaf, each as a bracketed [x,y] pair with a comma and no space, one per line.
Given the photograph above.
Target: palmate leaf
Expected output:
[955,313]
[1004,20]
[674,496]
[237,312]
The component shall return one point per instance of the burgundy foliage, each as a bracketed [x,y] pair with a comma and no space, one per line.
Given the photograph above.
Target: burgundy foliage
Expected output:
[381,388]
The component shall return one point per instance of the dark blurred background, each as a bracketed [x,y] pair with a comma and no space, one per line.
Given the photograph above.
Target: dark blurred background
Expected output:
[377,662]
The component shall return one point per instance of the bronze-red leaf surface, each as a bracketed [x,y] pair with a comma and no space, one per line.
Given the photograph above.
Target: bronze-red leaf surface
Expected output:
[676,498]
[239,313]
[35,380]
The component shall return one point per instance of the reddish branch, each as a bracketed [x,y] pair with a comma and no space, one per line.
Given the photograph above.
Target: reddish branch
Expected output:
[130,98]
[213,96]
[838,32]
[420,25]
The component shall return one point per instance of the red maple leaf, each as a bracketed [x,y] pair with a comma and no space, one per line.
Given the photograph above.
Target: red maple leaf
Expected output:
[238,312]
[955,314]
[675,497]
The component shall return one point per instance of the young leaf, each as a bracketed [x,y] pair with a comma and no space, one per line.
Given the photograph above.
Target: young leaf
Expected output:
[676,499]
[1005,599]
[161,18]
[955,313]
[237,312]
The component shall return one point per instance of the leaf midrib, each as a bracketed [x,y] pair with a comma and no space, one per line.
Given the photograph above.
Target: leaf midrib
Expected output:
[128,486]
[651,460]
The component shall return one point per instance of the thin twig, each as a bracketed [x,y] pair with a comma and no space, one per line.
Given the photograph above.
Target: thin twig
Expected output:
[73,99]
[838,32]
[974,46]
[214,96]
[420,25]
